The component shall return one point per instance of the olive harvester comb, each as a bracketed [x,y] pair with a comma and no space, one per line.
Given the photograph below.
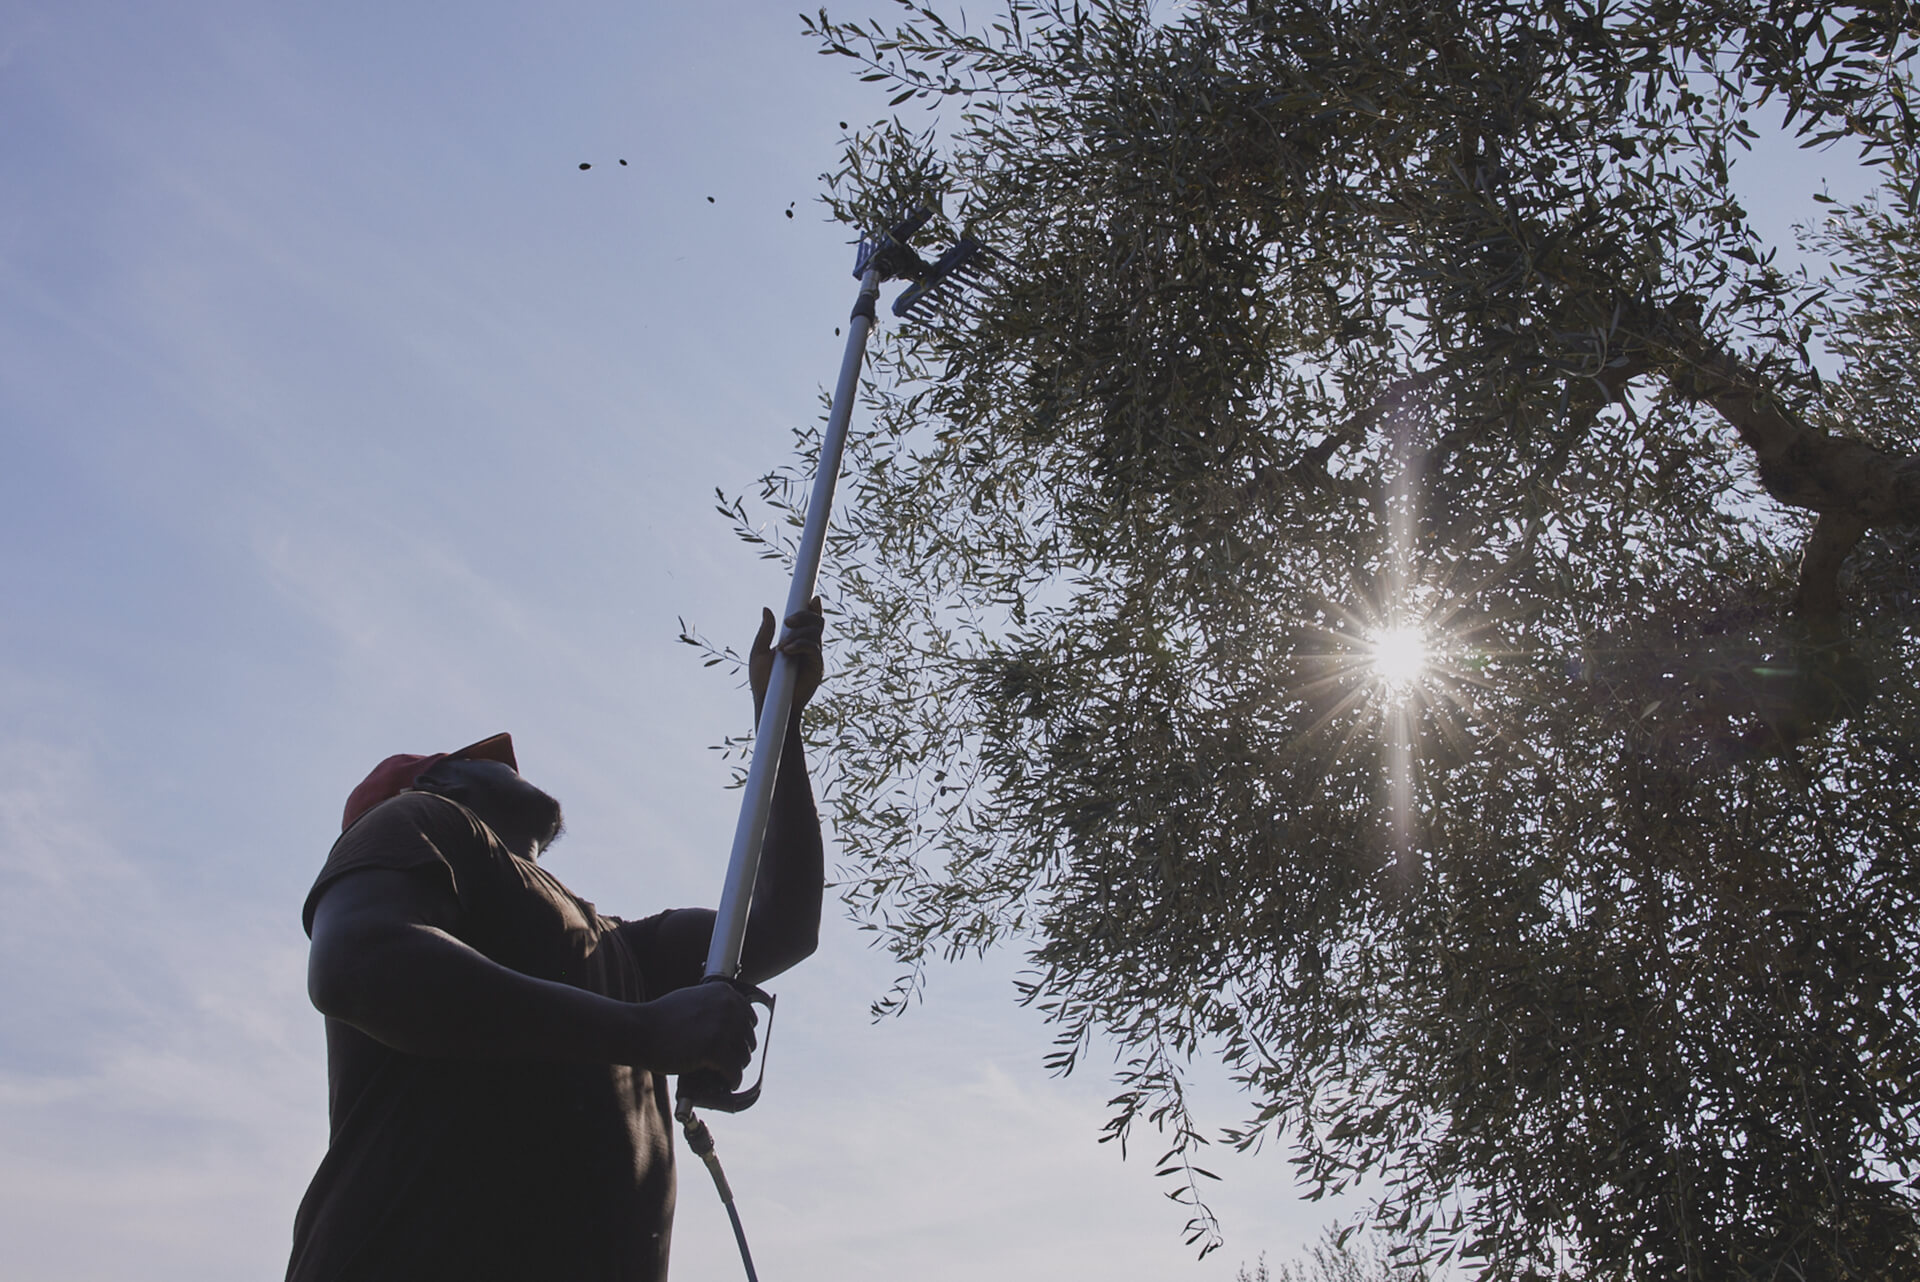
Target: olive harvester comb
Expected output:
[933,286]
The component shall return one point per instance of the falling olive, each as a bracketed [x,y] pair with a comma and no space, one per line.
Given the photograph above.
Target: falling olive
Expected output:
[585,165]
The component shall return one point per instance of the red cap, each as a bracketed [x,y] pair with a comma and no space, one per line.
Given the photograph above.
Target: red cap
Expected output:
[396,774]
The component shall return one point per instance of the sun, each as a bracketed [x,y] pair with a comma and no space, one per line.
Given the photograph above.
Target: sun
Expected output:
[1399,656]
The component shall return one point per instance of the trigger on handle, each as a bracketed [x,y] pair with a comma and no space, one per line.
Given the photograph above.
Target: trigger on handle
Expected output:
[707,1089]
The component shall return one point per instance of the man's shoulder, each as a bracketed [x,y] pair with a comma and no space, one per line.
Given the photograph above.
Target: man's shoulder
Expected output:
[415,830]
[413,814]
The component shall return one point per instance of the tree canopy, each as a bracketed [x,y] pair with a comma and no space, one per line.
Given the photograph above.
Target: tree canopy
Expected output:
[1593,936]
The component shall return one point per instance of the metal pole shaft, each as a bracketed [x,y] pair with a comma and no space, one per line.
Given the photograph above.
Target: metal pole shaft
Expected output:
[730,919]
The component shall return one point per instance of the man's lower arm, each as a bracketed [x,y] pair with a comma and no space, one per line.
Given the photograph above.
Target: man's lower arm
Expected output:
[421,991]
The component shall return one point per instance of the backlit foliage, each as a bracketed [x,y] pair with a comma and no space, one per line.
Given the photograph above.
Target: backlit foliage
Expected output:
[1596,942]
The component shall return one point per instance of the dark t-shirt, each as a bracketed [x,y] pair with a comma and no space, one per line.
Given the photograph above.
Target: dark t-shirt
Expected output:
[491,1171]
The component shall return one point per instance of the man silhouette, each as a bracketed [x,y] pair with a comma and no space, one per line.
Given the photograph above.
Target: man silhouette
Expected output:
[497,1050]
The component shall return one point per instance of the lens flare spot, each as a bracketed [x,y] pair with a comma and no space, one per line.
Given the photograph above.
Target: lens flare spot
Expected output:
[1399,656]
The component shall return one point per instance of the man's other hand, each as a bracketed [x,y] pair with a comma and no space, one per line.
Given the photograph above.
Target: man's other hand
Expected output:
[802,644]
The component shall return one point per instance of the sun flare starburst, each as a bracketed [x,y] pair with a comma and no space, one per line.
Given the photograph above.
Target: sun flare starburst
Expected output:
[1399,656]
[1398,680]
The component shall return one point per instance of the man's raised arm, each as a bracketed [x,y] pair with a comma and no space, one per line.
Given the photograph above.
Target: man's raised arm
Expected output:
[783,924]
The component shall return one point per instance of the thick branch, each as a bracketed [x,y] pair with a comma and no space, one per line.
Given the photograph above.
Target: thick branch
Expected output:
[1834,536]
[1802,465]
[1852,485]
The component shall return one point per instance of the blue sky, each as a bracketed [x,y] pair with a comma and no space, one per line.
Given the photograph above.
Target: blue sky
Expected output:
[342,414]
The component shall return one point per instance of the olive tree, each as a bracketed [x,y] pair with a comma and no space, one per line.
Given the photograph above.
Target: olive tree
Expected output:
[1583,931]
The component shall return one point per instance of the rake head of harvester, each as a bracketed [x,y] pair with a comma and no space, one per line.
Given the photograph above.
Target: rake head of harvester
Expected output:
[935,285]
[945,282]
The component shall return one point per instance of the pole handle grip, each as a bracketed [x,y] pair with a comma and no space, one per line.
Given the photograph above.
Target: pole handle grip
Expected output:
[707,1089]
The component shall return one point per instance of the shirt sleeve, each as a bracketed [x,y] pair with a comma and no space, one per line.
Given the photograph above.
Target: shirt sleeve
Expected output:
[664,966]
[415,830]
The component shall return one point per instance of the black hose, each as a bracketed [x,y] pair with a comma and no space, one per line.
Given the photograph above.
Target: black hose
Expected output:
[700,1140]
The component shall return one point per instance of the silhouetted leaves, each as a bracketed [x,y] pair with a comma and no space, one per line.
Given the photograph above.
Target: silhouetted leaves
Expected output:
[1317,317]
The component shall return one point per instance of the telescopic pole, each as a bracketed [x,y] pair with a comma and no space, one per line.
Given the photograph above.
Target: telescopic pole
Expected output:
[770,736]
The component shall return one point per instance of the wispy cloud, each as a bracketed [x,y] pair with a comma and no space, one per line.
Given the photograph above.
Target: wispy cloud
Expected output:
[153,1079]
